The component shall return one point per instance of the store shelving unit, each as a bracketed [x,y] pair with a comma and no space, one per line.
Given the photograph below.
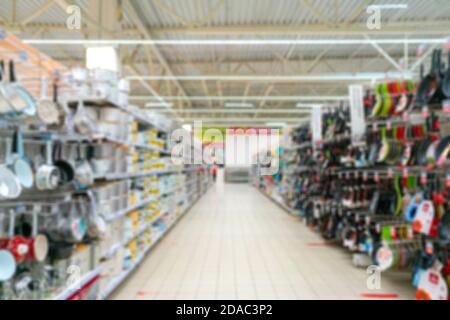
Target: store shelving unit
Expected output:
[116,282]
[182,185]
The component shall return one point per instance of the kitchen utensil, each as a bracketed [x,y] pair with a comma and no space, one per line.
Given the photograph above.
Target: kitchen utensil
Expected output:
[84,175]
[47,109]
[60,250]
[430,89]
[19,164]
[38,248]
[37,243]
[47,175]
[446,80]
[10,186]
[65,169]
[7,265]
[11,94]
[5,105]
[83,123]
[30,109]
[96,223]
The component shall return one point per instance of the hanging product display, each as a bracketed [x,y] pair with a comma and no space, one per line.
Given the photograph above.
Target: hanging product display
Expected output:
[385,197]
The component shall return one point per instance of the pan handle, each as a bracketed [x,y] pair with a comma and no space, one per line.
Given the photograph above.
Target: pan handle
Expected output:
[43,88]
[12,72]
[12,223]
[2,70]
[48,151]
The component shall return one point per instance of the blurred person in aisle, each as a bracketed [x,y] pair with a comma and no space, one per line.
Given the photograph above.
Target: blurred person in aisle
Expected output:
[214,171]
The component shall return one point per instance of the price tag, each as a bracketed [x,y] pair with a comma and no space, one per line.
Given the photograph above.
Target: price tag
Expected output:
[390,173]
[375,127]
[378,228]
[376,177]
[423,178]
[405,117]
[405,173]
[446,106]
[425,112]
[365,176]
[393,233]
[429,247]
[409,233]
[389,126]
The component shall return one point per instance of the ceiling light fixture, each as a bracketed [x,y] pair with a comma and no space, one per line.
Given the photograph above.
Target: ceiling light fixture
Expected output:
[239,105]
[368,76]
[307,105]
[231,42]
[245,98]
[389,6]
[238,110]
[158,105]
[276,124]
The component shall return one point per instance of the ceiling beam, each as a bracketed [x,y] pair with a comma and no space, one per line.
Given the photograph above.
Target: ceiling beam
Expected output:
[384,54]
[400,28]
[36,13]
[361,76]
[435,26]
[240,98]
[316,12]
[234,111]
[211,63]
[130,11]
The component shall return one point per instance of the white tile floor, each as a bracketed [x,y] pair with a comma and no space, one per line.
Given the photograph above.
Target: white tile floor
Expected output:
[236,244]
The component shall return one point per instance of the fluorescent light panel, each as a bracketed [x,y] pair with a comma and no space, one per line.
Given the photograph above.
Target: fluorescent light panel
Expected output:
[158,105]
[389,6]
[231,111]
[306,105]
[232,42]
[276,124]
[239,105]
[102,58]
[245,98]
[369,76]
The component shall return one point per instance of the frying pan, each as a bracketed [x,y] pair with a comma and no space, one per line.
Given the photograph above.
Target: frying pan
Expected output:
[60,250]
[10,92]
[47,110]
[5,103]
[378,102]
[10,186]
[66,170]
[30,109]
[20,165]
[7,265]
[430,89]
[442,150]
[446,81]
[422,151]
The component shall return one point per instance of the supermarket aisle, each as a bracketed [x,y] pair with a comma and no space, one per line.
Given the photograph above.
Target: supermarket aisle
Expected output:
[236,244]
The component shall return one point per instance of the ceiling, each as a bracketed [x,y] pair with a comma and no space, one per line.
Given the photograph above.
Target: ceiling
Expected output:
[262,20]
